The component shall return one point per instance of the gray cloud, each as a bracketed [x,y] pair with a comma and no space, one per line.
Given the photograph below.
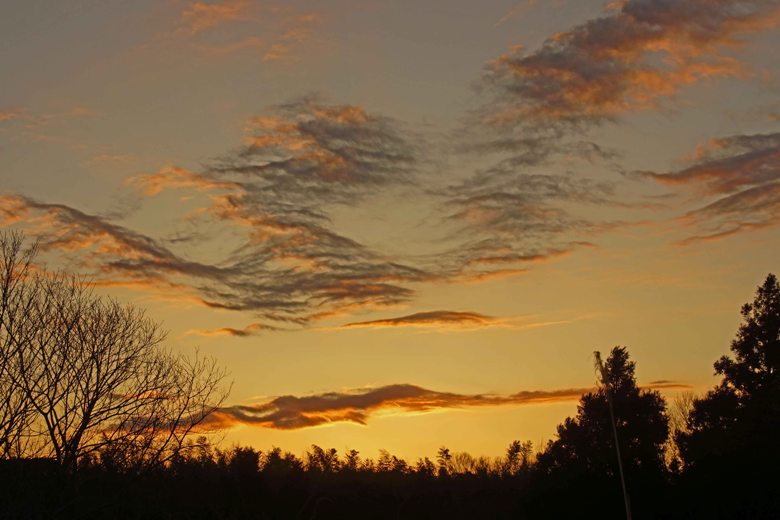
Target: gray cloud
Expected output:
[729,164]
[748,210]
[306,151]
[540,104]
[523,218]
[526,205]
[738,178]
[277,192]
[335,272]
[633,58]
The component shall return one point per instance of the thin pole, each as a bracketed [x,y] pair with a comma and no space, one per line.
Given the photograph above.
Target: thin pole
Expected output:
[605,380]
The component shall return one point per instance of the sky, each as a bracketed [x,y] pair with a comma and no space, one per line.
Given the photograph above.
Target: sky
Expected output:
[401,225]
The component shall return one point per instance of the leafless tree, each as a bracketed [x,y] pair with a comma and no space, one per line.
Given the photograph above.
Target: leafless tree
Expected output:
[98,379]
[16,412]
[678,414]
[174,411]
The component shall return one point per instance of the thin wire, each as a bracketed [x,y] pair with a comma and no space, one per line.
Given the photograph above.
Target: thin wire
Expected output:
[605,380]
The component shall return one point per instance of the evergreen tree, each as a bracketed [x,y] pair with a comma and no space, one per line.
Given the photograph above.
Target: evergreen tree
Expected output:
[585,443]
[731,440]
[580,467]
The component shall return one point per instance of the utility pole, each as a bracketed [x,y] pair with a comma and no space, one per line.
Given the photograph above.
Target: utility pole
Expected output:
[608,390]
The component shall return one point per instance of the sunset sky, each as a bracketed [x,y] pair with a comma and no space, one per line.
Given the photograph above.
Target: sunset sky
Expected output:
[404,224]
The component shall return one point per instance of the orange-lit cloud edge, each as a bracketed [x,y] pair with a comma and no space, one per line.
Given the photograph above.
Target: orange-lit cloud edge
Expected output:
[741,172]
[294,412]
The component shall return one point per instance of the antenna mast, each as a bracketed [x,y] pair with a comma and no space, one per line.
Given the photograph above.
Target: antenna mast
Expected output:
[608,390]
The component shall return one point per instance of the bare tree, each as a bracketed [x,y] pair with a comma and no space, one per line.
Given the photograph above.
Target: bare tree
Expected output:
[174,411]
[16,412]
[98,380]
[678,413]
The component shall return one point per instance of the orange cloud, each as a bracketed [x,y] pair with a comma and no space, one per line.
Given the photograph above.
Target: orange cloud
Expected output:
[714,237]
[275,32]
[39,120]
[40,126]
[739,177]
[728,164]
[748,210]
[248,43]
[12,210]
[460,320]
[432,319]
[252,329]
[639,54]
[291,412]
[200,16]
[9,115]
[171,177]
[270,204]
[487,275]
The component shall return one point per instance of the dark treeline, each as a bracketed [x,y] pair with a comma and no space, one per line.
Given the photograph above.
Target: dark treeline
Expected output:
[97,420]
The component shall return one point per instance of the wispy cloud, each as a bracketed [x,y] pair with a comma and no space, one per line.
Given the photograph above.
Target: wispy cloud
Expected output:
[274,195]
[516,10]
[298,30]
[105,248]
[738,178]
[748,210]
[248,43]
[267,206]
[275,31]
[550,181]
[38,120]
[8,115]
[199,16]
[631,59]
[173,177]
[292,412]
[458,319]
[253,329]
[523,219]
[43,125]
[526,205]
[259,277]
[328,152]
[729,164]
[539,105]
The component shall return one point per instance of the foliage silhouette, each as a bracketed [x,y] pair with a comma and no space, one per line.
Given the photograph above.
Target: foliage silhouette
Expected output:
[583,456]
[730,443]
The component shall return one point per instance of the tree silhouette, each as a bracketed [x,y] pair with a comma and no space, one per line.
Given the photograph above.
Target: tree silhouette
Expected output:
[16,411]
[319,460]
[92,374]
[444,461]
[586,440]
[584,456]
[731,434]
[518,457]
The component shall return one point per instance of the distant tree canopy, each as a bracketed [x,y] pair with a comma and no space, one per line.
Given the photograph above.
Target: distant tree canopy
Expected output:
[585,443]
[740,417]
[83,376]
